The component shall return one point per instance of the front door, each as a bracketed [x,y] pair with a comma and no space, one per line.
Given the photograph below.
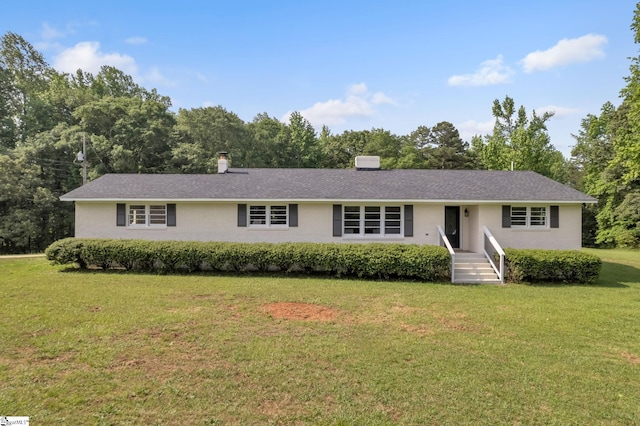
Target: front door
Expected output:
[452,225]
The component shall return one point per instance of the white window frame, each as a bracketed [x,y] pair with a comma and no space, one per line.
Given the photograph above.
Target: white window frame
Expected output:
[530,216]
[273,214]
[372,221]
[146,214]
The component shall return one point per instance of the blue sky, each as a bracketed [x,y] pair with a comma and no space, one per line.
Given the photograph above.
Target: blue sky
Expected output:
[351,65]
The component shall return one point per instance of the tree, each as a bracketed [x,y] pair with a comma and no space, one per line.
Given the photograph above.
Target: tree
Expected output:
[203,132]
[127,135]
[340,151]
[607,152]
[627,221]
[519,142]
[27,77]
[447,149]
[303,149]
[385,145]
[8,128]
[627,141]
[25,206]
[268,141]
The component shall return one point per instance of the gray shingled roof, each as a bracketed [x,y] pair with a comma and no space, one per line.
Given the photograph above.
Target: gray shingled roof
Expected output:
[331,184]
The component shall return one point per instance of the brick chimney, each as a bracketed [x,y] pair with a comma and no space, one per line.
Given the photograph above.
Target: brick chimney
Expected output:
[223,163]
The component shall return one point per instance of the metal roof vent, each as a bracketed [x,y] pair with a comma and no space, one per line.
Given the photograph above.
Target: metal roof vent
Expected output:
[367,162]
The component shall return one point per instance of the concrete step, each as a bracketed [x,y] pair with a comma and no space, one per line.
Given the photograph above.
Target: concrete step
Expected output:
[476,280]
[475,265]
[474,268]
[466,258]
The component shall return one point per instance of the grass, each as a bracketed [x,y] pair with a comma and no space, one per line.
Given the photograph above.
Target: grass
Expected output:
[124,348]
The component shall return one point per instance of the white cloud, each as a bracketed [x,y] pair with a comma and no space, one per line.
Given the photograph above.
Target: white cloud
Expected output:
[358,89]
[87,56]
[492,71]
[156,77]
[50,33]
[559,112]
[470,128]
[357,103]
[567,51]
[136,40]
[379,98]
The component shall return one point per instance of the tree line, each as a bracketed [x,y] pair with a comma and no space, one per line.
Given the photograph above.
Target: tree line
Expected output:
[45,114]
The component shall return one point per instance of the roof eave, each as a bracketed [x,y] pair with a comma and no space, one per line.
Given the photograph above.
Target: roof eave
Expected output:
[327,200]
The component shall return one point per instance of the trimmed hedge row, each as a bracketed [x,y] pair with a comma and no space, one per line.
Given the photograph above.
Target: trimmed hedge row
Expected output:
[566,266]
[375,260]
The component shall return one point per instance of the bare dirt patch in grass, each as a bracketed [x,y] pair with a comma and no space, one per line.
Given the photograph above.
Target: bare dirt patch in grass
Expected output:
[633,359]
[300,311]
[458,322]
[417,329]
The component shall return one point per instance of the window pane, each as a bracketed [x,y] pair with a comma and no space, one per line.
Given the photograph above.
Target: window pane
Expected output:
[137,215]
[158,215]
[518,216]
[372,220]
[257,215]
[351,220]
[392,220]
[278,215]
[538,216]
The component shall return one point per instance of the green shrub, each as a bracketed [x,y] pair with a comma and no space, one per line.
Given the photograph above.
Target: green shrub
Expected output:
[377,260]
[566,266]
[66,251]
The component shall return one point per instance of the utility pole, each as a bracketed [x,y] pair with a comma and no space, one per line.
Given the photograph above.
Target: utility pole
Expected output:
[82,156]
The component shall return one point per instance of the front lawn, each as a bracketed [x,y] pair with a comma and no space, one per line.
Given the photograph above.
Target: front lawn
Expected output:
[125,348]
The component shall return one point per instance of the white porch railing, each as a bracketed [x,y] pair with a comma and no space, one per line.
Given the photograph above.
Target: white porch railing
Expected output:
[444,242]
[491,248]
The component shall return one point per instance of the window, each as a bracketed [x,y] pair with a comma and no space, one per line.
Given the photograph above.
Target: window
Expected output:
[528,217]
[268,216]
[392,220]
[147,215]
[518,216]
[538,216]
[372,221]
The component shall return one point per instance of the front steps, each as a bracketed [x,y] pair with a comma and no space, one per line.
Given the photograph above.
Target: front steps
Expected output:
[474,268]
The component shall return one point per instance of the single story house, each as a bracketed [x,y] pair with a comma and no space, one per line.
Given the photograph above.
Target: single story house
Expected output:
[521,209]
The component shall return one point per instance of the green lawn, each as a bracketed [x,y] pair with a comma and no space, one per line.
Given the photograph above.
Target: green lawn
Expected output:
[123,348]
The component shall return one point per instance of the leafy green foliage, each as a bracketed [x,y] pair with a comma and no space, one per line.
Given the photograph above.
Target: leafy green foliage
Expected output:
[27,71]
[563,266]
[26,207]
[380,261]
[201,133]
[519,141]
[607,152]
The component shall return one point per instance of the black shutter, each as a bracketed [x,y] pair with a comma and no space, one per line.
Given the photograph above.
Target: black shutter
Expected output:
[121,214]
[337,220]
[555,216]
[408,220]
[171,215]
[242,215]
[293,215]
[506,216]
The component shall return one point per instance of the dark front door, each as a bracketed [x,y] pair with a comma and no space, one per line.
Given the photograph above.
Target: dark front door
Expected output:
[452,225]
